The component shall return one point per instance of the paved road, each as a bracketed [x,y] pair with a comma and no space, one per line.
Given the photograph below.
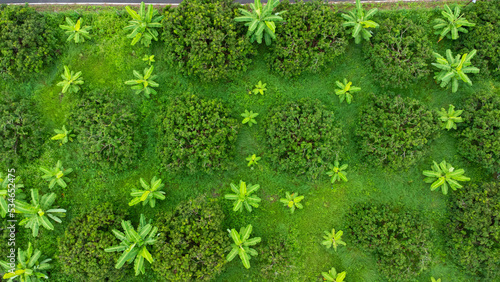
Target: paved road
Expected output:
[96,2]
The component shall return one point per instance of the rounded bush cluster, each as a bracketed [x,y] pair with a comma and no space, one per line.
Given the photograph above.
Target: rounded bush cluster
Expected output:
[480,140]
[81,249]
[196,134]
[202,39]
[399,239]
[474,229]
[303,137]
[485,36]
[192,243]
[21,133]
[394,131]
[399,52]
[106,129]
[27,42]
[310,37]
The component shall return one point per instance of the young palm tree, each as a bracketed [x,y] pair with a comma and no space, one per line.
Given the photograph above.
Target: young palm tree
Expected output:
[70,81]
[443,175]
[243,196]
[454,69]
[450,118]
[39,211]
[360,22]
[345,89]
[143,83]
[241,245]
[143,24]
[76,31]
[261,21]
[63,135]
[56,175]
[249,117]
[292,201]
[28,268]
[134,244]
[453,23]
[332,275]
[149,194]
[333,239]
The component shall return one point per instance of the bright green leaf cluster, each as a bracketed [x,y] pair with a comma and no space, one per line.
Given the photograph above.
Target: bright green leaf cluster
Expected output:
[261,21]
[143,24]
[243,196]
[149,194]
[332,275]
[345,89]
[241,245]
[450,118]
[252,160]
[39,211]
[446,175]
[56,175]
[360,22]
[28,268]
[143,83]
[8,184]
[453,23]
[292,201]
[76,31]
[337,171]
[333,239]
[134,244]
[454,69]
[249,117]
[70,81]
[63,135]
[260,88]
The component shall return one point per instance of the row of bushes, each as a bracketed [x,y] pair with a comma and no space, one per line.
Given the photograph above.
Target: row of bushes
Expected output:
[401,239]
[303,136]
[191,246]
[202,39]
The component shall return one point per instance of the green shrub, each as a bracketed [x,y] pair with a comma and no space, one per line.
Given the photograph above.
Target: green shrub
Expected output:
[202,39]
[277,258]
[400,52]
[196,134]
[27,42]
[81,249]
[480,142]
[21,132]
[192,243]
[393,131]
[398,238]
[310,37]
[106,129]
[485,36]
[303,137]
[474,229]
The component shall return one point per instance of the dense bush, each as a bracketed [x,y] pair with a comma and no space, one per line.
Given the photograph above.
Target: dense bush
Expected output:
[399,52]
[393,131]
[399,239]
[310,36]
[303,137]
[196,134]
[474,228]
[106,129]
[27,42]
[485,36]
[192,243]
[21,133]
[480,140]
[202,39]
[81,249]
[277,258]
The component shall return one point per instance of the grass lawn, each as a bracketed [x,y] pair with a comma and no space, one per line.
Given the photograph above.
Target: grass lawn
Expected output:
[107,60]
